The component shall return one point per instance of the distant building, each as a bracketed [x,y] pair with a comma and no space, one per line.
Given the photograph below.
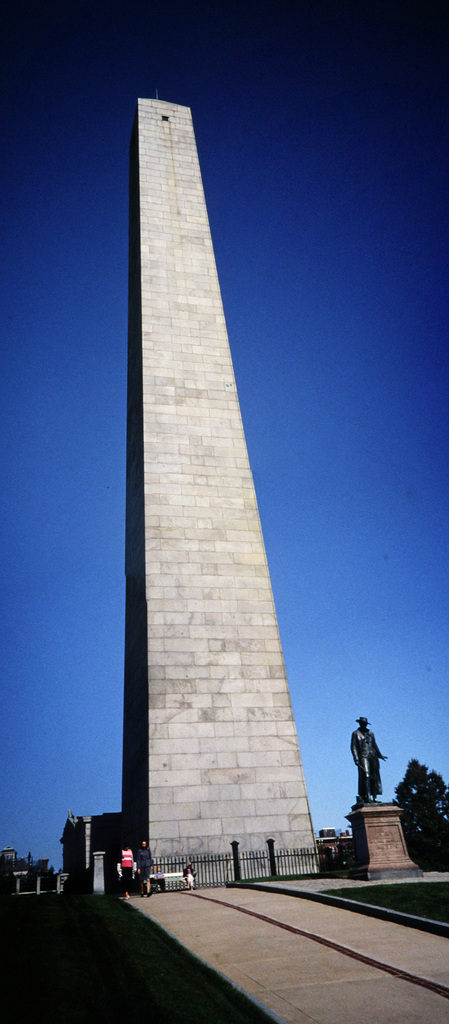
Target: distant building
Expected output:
[82,837]
[11,863]
[335,852]
[8,857]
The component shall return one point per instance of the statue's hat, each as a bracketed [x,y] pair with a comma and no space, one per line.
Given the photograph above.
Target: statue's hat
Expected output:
[362,719]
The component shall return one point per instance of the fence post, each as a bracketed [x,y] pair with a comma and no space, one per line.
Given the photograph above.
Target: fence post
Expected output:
[17,885]
[270,844]
[38,885]
[235,854]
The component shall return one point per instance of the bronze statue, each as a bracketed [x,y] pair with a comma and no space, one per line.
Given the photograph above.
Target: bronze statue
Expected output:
[366,755]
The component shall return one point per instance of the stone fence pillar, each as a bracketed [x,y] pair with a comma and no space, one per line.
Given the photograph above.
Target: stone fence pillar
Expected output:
[98,889]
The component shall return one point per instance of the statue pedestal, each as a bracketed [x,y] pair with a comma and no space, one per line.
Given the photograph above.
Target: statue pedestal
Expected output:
[379,844]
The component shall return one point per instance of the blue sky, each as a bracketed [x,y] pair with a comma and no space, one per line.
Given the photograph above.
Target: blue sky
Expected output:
[322,134]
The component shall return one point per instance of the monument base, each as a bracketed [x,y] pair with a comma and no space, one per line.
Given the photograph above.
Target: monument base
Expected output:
[379,844]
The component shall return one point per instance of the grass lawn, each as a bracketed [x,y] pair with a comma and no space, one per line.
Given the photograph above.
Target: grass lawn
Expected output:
[422,899]
[93,958]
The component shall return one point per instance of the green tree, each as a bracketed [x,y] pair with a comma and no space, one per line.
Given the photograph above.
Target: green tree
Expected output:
[424,798]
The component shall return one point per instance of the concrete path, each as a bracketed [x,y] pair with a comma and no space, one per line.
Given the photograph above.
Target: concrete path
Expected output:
[309,963]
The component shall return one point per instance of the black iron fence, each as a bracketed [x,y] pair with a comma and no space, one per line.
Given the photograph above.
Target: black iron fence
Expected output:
[297,862]
[211,869]
[254,864]
[219,868]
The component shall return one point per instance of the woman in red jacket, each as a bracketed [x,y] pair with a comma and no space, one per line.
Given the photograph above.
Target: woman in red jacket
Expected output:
[127,869]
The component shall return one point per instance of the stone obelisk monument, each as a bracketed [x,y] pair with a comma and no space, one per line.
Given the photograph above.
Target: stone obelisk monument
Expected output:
[211,752]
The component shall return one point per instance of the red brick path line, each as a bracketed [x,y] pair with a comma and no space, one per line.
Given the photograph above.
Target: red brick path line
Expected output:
[397,972]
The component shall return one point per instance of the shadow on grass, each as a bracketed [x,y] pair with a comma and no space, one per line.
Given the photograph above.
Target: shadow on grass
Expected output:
[93,958]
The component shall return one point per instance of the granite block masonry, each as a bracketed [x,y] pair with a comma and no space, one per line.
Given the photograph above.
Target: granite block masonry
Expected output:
[210,752]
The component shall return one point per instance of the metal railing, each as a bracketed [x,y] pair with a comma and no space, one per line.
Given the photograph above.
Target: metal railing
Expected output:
[297,862]
[254,864]
[22,885]
[211,869]
[219,868]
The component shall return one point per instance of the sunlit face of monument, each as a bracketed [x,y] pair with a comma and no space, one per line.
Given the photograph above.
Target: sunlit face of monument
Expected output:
[210,747]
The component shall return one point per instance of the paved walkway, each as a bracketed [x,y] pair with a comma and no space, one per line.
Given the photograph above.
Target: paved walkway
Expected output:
[309,963]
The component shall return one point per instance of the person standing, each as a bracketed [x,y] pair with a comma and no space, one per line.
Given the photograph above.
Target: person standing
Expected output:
[189,875]
[144,866]
[127,866]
